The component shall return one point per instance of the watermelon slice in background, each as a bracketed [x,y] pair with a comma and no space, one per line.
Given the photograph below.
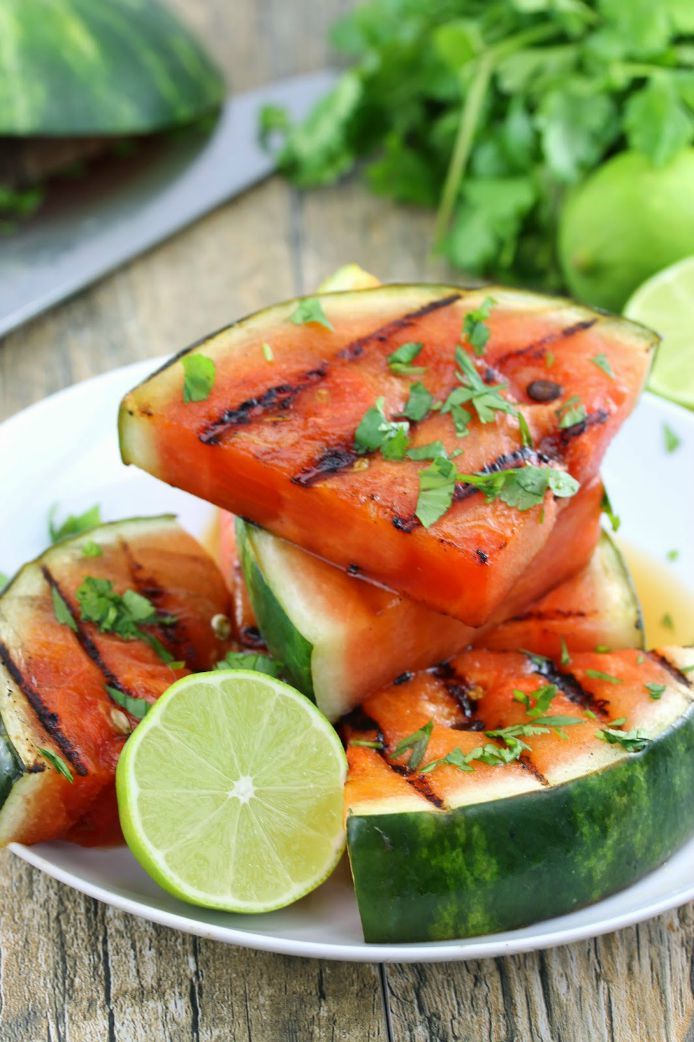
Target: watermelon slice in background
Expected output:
[274,441]
[57,714]
[70,68]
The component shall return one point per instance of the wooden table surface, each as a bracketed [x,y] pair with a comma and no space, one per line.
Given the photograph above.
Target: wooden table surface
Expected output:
[72,970]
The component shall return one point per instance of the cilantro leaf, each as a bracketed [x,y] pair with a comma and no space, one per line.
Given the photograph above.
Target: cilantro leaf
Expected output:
[667,621]
[399,361]
[656,691]
[597,674]
[602,362]
[73,524]
[656,122]
[633,741]
[418,403]
[137,707]
[375,432]
[125,615]
[436,489]
[251,660]
[91,549]
[475,331]
[671,439]
[199,373]
[565,659]
[366,743]
[268,353]
[671,555]
[523,487]
[57,762]
[310,311]
[417,744]
[431,451]
[61,610]
[606,507]
[571,412]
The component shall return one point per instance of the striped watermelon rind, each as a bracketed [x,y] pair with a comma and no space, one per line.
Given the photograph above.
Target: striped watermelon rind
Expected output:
[505,863]
[76,67]
[337,646]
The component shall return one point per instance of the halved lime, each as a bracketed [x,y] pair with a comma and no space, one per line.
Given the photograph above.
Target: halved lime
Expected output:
[665,302]
[230,792]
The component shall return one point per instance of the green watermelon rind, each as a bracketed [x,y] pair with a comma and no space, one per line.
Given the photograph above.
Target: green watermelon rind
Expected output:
[507,863]
[79,67]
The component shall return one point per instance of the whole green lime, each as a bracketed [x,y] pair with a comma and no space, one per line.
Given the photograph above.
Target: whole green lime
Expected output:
[627,221]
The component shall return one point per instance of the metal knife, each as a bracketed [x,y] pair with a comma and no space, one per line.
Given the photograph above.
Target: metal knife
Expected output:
[90,225]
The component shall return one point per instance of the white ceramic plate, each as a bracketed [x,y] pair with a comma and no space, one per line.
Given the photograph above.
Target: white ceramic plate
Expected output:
[64,450]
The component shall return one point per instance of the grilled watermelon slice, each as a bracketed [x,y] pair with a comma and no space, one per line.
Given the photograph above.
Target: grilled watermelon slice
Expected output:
[55,667]
[75,67]
[274,440]
[457,852]
[341,638]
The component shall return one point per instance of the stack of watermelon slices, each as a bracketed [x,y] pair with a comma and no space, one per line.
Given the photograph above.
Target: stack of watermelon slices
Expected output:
[506,764]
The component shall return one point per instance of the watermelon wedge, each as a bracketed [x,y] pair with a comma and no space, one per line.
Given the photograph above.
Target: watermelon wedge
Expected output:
[341,638]
[274,439]
[503,788]
[71,690]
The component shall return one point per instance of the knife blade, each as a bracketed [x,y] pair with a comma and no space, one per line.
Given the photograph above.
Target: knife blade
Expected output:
[91,225]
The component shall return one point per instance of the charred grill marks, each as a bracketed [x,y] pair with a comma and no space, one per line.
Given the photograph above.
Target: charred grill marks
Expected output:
[383,333]
[404,524]
[331,461]
[547,340]
[49,720]
[670,668]
[419,782]
[555,444]
[570,686]
[529,766]
[280,397]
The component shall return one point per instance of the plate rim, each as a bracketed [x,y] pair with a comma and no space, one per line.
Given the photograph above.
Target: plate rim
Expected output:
[433,951]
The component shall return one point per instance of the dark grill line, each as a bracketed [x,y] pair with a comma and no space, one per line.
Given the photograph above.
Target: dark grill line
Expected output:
[555,444]
[506,461]
[85,641]
[570,686]
[48,719]
[548,339]
[356,348]
[548,616]
[174,637]
[529,766]
[280,397]
[331,461]
[670,668]
[419,782]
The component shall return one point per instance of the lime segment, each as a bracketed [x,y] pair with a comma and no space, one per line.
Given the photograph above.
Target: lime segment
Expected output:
[230,792]
[665,302]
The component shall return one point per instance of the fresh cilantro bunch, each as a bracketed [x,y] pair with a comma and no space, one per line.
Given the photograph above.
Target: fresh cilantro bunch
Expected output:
[490,110]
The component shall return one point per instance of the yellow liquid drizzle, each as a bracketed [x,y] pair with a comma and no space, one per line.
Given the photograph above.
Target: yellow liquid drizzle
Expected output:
[662,595]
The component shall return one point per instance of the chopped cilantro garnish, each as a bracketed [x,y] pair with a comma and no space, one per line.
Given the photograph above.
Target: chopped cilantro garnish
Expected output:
[565,658]
[91,549]
[124,615]
[632,741]
[549,359]
[672,555]
[459,414]
[436,489]
[366,743]
[73,523]
[57,762]
[375,431]
[432,450]
[671,439]
[419,402]
[597,674]
[686,669]
[417,744]
[656,691]
[400,360]
[523,487]
[571,412]
[606,507]
[474,329]
[484,398]
[603,362]
[251,660]
[667,621]
[137,707]
[198,377]
[543,699]
[526,436]
[310,311]
[603,649]
[61,610]
[268,353]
